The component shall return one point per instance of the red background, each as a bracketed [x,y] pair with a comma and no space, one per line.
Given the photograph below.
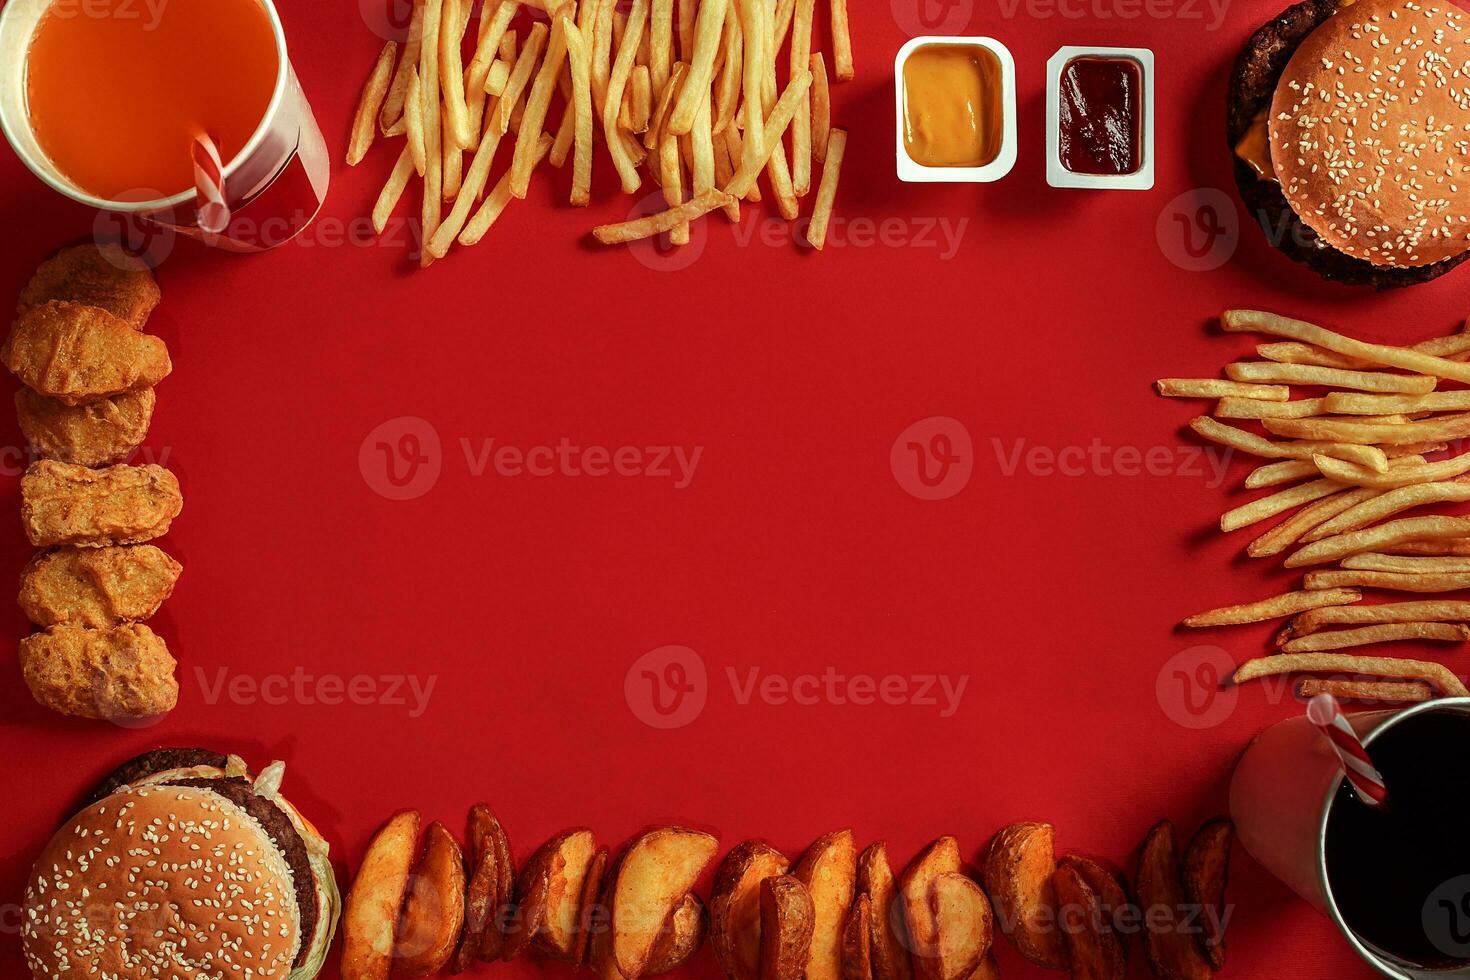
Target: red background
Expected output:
[793,549]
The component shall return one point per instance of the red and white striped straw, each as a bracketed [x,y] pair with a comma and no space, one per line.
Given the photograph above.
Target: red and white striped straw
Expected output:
[1324,712]
[209,181]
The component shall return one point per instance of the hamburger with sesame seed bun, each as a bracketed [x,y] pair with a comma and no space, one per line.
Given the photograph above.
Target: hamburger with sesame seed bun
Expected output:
[1350,125]
[182,864]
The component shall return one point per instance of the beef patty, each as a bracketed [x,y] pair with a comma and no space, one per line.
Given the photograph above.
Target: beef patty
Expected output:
[1252,85]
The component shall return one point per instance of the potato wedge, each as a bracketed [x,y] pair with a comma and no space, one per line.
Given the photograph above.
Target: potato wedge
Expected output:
[829,871]
[375,900]
[1108,886]
[482,889]
[681,938]
[528,914]
[600,941]
[434,913]
[940,858]
[1017,870]
[735,906]
[888,939]
[1172,952]
[655,874]
[788,918]
[964,923]
[1093,946]
[857,941]
[567,856]
[591,914]
[492,943]
[1206,871]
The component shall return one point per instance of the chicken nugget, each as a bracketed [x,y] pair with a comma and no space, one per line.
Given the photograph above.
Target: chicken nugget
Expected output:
[94,434]
[104,276]
[62,503]
[97,587]
[78,353]
[117,673]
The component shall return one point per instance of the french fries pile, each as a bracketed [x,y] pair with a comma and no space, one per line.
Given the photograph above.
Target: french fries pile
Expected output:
[835,915]
[702,123]
[1353,462]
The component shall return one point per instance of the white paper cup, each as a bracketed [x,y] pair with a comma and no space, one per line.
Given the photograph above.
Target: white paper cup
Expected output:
[274,186]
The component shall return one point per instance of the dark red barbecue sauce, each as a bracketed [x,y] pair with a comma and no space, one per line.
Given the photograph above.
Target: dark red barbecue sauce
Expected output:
[1100,116]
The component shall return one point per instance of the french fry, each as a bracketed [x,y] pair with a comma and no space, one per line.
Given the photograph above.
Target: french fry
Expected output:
[520,77]
[451,74]
[641,87]
[622,68]
[801,126]
[658,125]
[433,161]
[1388,581]
[1272,474]
[1400,476]
[392,191]
[1437,675]
[664,221]
[1445,428]
[1275,503]
[821,108]
[671,177]
[537,104]
[1418,611]
[391,114]
[1253,321]
[580,56]
[707,33]
[755,26]
[1353,403]
[1406,564]
[702,143]
[826,193]
[1248,442]
[781,116]
[1275,607]
[1459,547]
[781,23]
[1389,503]
[413,115]
[724,170]
[1376,538]
[731,73]
[496,78]
[1215,388]
[474,185]
[1405,692]
[453,167]
[369,104]
[1289,531]
[496,201]
[1233,407]
[841,43]
[661,43]
[492,31]
[1269,372]
[1384,633]
[1295,352]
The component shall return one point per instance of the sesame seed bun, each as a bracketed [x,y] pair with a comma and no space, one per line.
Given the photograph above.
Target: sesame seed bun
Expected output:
[1370,132]
[157,881]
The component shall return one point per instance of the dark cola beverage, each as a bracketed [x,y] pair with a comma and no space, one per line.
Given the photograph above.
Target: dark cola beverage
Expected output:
[1400,874]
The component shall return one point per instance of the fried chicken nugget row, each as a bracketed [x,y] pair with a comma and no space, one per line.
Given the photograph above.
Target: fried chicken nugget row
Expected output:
[88,401]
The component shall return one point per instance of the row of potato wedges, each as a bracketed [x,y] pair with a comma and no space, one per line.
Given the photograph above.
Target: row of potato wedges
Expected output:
[836,914]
